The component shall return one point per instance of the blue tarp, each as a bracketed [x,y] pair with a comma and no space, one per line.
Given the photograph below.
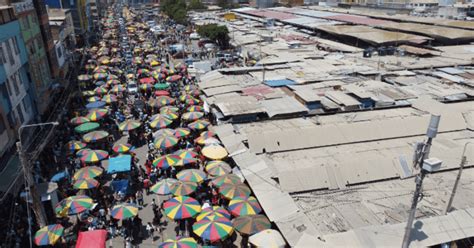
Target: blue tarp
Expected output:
[120,185]
[60,175]
[119,164]
[98,104]
[280,82]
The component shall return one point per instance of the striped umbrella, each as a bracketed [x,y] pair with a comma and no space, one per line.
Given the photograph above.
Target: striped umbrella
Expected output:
[93,99]
[86,127]
[73,205]
[160,122]
[168,109]
[88,172]
[165,100]
[147,81]
[184,97]
[241,206]
[186,153]
[202,140]
[145,87]
[228,178]
[79,120]
[192,116]
[124,211]
[163,131]
[100,75]
[109,98]
[179,242]
[164,162]
[100,90]
[198,125]
[213,228]
[113,82]
[86,183]
[117,88]
[181,207]
[251,224]
[195,108]
[75,145]
[94,136]
[218,168]
[163,187]
[84,77]
[97,114]
[121,148]
[165,142]
[214,152]
[207,134]
[183,188]
[191,175]
[171,116]
[173,78]
[214,210]
[49,235]
[230,191]
[94,156]
[192,101]
[129,125]
[83,152]
[182,132]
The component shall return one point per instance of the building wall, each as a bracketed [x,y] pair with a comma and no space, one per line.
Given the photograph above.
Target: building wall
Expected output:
[48,42]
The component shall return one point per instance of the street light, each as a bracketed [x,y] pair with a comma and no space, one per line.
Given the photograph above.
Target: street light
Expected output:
[426,165]
[30,184]
[458,178]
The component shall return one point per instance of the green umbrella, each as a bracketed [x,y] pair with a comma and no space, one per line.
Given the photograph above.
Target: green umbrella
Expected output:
[87,127]
[161,86]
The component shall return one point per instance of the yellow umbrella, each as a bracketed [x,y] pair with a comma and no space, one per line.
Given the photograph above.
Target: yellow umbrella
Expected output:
[214,152]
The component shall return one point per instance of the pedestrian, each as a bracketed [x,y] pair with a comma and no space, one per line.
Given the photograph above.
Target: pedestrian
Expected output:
[150,229]
[139,196]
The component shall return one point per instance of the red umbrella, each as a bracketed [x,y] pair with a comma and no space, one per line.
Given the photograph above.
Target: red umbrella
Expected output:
[162,93]
[147,80]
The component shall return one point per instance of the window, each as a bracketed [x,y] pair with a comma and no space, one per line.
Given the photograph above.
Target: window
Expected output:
[2,125]
[3,60]
[19,112]
[26,103]
[15,45]
[59,51]
[10,54]
[14,81]
[9,89]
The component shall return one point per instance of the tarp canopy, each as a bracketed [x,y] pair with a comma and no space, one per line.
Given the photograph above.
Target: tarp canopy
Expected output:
[92,239]
[119,164]
[120,185]
[60,175]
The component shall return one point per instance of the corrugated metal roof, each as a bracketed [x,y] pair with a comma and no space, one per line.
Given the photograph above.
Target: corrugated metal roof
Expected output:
[283,106]
[239,106]
[221,90]
[279,82]
[357,19]
[341,98]
[430,30]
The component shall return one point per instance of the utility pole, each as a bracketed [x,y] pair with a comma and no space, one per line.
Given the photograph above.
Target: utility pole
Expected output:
[458,178]
[28,174]
[426,167]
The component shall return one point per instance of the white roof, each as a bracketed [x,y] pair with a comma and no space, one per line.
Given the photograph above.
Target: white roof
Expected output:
[282,106]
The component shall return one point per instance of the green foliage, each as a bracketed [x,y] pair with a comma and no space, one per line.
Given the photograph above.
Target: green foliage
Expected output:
[216,33]
[175,9]
[196,5]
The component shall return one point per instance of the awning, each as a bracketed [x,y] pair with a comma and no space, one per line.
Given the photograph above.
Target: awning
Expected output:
[92,239]
[119,164]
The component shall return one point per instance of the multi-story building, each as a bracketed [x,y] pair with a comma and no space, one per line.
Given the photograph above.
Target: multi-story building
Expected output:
[48,41]
[15,80]
[37,58]
[62,30]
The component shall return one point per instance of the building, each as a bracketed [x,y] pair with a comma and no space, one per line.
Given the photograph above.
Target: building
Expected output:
[48,42]
[37,56]
[62,30]
[262,3]
[80,11]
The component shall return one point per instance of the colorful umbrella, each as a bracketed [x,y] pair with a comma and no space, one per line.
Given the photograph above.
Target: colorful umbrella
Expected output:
[93,99]
[198,125]
[192,116]
[87,127]
[241,206]
[143,71]
[214,152]
[165,100]
[49,235]
[165,142]
[171,116]
[163,131]
[163,187]
[79,120]
[86,183]
[124,211]
[121,148]
[169,109]
[97,104]
[195,108]
[202,140]
[191,175]
[75,145]
[267,238]
[179,242]
[181,132]
[174,78]
[73,205]
[84,77]
[186,153]
[183,188]
[214,210]
[145,87]
[181,207]
[192,101]
[159,121]
[213,228]
[117,88]
[83,152]
[94,136]
[161,93]
[88,172]
[94,156]
[100,91]
[218,168]
[113,81]
[109,98]
[96,114]
[251,224]
[161,86]
[100,75]
[228,178]
[164,162]
[129,125]
[230,191]
[147,81]
[184,97]
[207,134]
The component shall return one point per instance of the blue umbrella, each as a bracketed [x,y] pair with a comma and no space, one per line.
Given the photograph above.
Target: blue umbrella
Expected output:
[60,175]
[98,104]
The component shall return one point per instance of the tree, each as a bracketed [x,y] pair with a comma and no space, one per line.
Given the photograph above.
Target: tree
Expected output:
[175,9]
[216,33]
[196,5]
